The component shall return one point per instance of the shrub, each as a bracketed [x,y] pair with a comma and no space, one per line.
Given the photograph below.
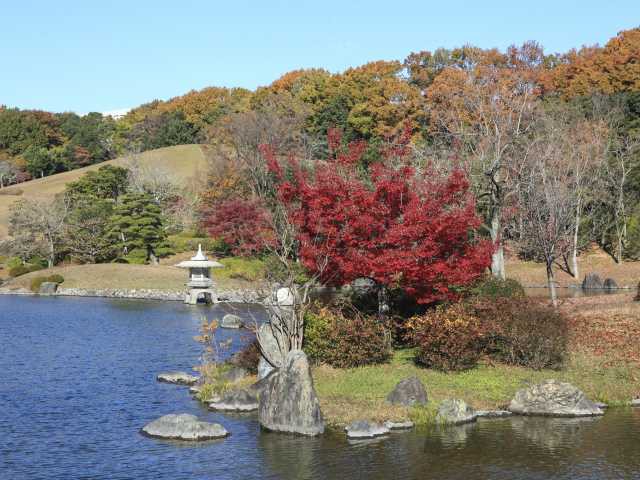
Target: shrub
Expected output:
[345,341]
[494,287]
[248,357]
[38,281]
[448,338]
[524,331]
[17,271]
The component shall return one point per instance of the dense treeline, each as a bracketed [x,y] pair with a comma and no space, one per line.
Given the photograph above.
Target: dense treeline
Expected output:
[549,143]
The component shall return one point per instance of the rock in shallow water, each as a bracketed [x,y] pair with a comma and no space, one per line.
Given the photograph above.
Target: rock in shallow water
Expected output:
[288,401]
[178,378]
[408,392]
[365,429]
[235,401]
[554,399]
[456,412]
[404,425]
[493,413]
[231,321]
[183,427]
[635,402]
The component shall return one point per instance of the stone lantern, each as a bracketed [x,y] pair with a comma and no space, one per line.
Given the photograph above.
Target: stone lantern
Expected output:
[200,285]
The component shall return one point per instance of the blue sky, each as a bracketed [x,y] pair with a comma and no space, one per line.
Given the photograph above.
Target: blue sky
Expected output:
[87,55]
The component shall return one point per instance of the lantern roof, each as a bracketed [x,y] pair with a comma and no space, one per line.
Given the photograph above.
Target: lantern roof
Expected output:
[199,260]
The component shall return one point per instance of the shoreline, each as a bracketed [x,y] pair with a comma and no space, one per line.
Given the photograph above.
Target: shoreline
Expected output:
[227,296]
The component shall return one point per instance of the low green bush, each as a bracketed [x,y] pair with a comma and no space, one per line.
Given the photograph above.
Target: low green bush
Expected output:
[497,288]
[137,256]
[346,341]
[38,281]
[448,338]
[17,271]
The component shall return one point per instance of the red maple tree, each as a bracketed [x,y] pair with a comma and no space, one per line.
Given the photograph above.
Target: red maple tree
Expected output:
[400,227]
[243,224]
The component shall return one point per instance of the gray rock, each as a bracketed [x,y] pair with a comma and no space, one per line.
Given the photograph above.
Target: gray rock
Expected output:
[288,401]
[404,425]
[635,402]
[493,413]
[269,346]
[264,368]
[183,427]
[610,284]
[235,401]
[408,392]
[456,412]
[195,389]
[48,288]
[231,321]
[601,405]
[365,429]
[592,281]
[178,378]
[555,399]
[235,374]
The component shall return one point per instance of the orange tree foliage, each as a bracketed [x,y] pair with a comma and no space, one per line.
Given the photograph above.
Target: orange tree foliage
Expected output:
[613,68]
[397,226]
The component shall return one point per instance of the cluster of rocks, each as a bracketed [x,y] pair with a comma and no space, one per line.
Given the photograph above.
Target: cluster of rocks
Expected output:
[592,281]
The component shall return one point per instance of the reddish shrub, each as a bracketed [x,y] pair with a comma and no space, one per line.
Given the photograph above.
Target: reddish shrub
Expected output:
[243,225]
[448,338]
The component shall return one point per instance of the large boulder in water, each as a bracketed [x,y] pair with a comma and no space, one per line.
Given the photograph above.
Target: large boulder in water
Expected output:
[269,346]
[408,392]
[288,401]
[554,399]
[592,281]
[231,321]
[178,378]
[610,285]
[456,412]
[183,427]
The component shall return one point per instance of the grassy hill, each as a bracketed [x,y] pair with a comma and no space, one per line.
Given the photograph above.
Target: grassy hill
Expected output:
[184,161]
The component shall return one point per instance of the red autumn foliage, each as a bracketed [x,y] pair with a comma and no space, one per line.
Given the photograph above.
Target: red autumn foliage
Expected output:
[244,225]
[392,224]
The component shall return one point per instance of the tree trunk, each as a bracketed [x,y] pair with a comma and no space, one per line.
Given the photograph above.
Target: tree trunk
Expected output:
[551,282]
[383,301]
[574,249]
[497,258]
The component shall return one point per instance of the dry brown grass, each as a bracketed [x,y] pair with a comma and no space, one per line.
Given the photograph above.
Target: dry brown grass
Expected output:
[183,161]
[596,261]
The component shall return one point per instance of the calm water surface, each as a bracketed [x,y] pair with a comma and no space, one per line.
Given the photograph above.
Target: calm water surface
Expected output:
[78,381]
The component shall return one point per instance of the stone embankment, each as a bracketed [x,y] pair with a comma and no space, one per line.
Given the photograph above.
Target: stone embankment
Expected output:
[233,296]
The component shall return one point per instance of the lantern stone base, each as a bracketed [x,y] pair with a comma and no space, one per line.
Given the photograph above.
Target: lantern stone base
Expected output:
[200,295]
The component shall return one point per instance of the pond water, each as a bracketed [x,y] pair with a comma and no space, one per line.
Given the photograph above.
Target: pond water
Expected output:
[78,382]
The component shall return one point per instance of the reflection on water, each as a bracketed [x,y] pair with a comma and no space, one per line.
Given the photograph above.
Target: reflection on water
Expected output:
[78,383]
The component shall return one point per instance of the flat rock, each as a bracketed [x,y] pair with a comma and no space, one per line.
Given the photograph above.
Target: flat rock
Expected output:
[183,427]
[456,412]
[408,392]
[601,405]
[493,413]
[231,321]
[404,425]
[554,399]
[635,402]
[178,378]
[365,429]
[195,389]
[288,401]
[235,401]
